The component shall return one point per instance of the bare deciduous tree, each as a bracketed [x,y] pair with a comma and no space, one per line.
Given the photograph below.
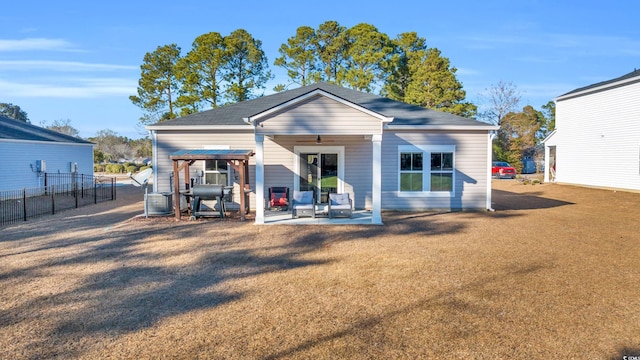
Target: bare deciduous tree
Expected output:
[501,99]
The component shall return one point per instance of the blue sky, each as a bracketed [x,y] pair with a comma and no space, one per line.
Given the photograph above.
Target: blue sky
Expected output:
[80,60]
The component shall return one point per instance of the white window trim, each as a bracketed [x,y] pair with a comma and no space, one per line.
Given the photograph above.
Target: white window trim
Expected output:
[229,171]
[426,170]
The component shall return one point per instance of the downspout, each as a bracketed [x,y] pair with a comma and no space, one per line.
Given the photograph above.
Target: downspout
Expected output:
[492,135]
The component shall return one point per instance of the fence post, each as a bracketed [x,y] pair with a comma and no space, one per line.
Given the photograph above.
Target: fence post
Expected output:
[95,191]
[53,200]
[75,192]
[24,203]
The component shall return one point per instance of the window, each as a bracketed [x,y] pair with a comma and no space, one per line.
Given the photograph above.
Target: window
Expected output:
[216,172]
[411,171]
[419,179]
[441,171]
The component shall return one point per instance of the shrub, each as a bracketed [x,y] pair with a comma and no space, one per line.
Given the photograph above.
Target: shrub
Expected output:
[98,168]
[115,168]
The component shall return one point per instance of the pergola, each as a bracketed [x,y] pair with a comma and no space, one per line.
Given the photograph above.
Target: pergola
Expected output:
[237,159]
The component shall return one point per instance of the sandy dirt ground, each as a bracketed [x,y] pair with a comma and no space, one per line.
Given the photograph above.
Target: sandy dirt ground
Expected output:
[552,273]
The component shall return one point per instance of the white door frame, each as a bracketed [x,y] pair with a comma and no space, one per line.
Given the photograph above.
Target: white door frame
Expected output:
[297,150]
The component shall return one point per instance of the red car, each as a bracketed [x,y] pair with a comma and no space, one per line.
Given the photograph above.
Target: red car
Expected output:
[502,169]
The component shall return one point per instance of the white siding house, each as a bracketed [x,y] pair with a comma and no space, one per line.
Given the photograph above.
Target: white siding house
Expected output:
[28,151]
[597,137]
[385,154]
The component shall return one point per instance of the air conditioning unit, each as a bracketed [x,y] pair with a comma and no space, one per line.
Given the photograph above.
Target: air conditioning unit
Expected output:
[159,203]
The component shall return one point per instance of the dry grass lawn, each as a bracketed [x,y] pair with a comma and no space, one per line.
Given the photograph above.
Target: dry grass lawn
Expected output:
[553,273]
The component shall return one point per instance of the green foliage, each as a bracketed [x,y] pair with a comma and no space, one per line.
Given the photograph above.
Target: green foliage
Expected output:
[111,145]
[145,167]
[408,47]
[434,85]
[367,52]
[158,84]
[98,168]
[331,45]
[549,123]
[518,133]
[200,72]
[246,67]
[362,58]
[299,57]
[98,156]
[114,168]
[141,147]
[13,112]
[279,88]
[131,169]
[421,76]
[222,69]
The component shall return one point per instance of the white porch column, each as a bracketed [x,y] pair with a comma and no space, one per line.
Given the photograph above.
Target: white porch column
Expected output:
[376,189]
[259,178]
[547,154]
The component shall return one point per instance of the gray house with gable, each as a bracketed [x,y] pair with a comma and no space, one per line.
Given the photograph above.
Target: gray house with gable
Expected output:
[386,154]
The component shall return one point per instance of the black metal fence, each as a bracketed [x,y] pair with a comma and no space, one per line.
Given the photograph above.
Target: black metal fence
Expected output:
[60,192]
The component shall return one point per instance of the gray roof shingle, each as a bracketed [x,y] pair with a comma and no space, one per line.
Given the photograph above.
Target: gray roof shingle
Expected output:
[634,73]
[20,130]
[403,113]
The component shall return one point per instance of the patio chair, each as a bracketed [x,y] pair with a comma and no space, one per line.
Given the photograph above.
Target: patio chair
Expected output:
[340,205]
[279,198]
[303,204]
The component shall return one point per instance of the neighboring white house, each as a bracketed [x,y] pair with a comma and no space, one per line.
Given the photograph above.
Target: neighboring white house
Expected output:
[29,151]
[386,154]
[597,137]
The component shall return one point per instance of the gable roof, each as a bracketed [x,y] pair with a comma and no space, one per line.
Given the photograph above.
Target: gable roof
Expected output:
[630,78]
[19,130]
[403,114]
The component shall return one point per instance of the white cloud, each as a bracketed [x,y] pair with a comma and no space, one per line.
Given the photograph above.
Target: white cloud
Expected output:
[601,45]
[71,88]
[71,66]
[35,44]
[467,71]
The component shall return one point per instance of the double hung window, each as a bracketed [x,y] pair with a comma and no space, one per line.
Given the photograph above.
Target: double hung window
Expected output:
[425,170]
[216,172]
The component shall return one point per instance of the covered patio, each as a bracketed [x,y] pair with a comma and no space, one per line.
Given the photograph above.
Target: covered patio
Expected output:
[358,217]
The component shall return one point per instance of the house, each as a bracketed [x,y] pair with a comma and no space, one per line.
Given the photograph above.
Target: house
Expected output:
[386,154]
[29,151]
[597,137]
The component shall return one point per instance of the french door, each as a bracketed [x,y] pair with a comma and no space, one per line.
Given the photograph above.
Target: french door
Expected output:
[320,170]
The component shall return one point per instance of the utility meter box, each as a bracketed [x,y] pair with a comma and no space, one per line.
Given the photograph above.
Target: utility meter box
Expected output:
[41,166]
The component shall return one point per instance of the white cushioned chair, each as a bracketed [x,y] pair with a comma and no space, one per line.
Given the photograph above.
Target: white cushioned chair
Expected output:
[340,205]
[303,204]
